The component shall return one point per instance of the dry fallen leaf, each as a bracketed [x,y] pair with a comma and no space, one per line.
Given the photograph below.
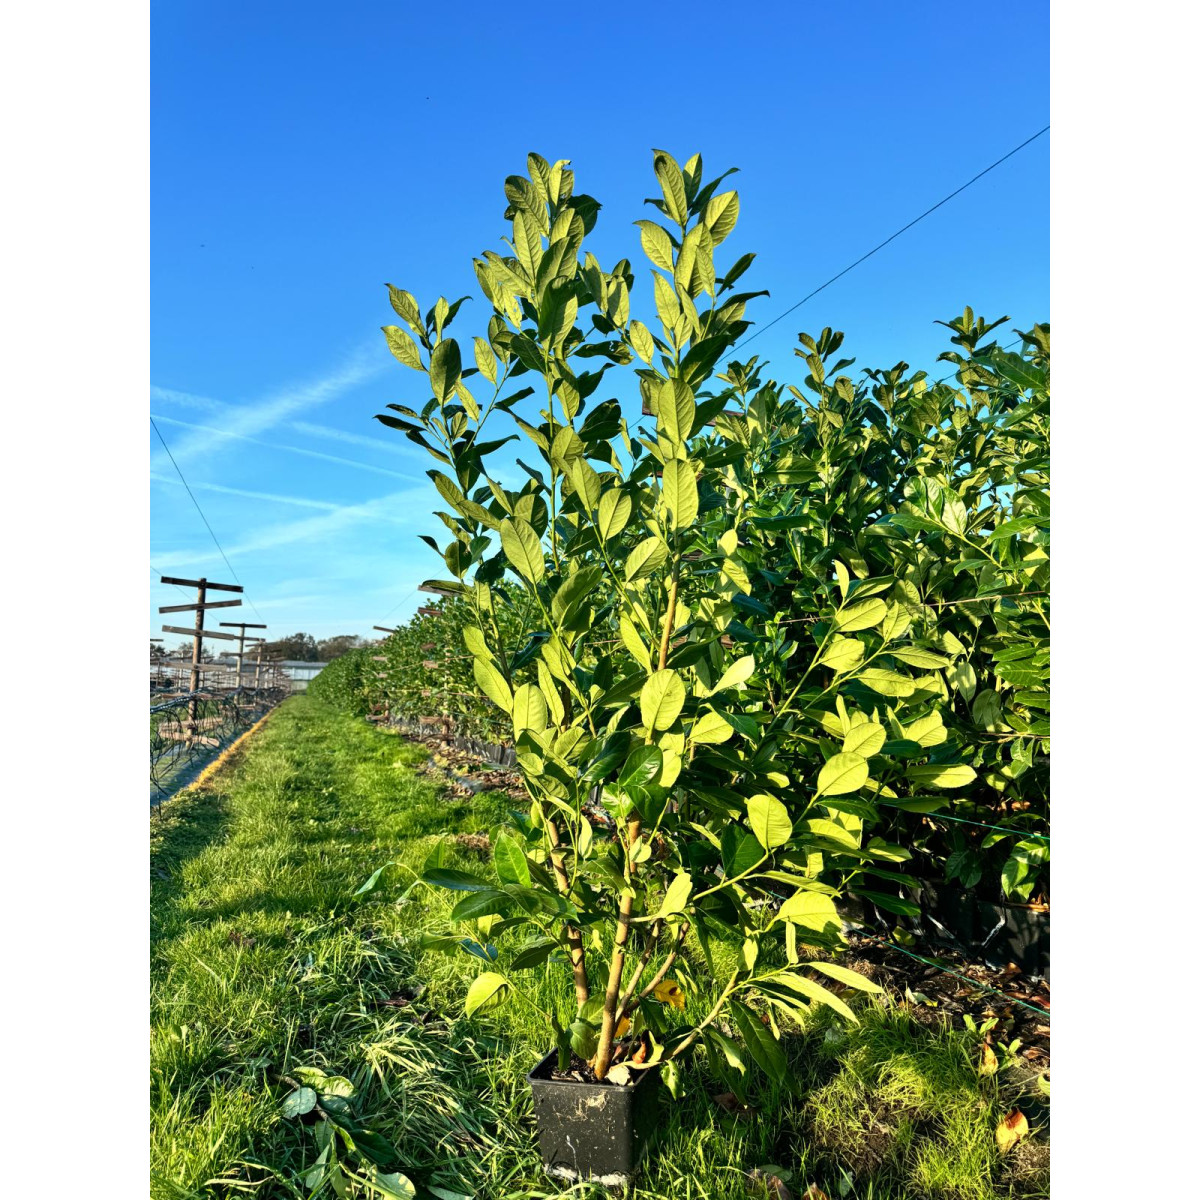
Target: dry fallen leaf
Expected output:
[1011,1130]
[988,1062]
[814,1193]
[775,1186]
[669,992]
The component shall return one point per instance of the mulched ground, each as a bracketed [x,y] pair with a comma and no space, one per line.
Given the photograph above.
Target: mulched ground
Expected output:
[931,993]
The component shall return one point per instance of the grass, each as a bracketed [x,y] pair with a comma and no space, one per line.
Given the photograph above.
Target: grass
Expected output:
[262,962]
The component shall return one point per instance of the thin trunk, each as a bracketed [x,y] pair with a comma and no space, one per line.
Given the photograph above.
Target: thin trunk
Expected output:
[574,938]
[608,1023]
[612,993]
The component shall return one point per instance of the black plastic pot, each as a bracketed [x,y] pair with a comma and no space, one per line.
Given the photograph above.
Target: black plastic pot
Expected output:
[996,933]
[592,1131]
[1012,933]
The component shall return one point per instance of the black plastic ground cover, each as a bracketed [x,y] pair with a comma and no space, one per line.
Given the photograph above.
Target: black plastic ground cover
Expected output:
[592,1130]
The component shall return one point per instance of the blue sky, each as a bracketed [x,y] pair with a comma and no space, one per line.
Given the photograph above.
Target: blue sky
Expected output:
[304,155]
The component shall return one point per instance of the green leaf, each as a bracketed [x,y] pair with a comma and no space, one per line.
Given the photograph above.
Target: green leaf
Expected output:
[845,975]
[523,548]
[529,709]
[710,729]
[736,674]
[770,821]
[661,699]
[398,1187]
[493,684]
[679,492]
[886,683]
[511,864]
[454,880]
[814,991]
[677,895]
[403,347]
[613,515]
[670,177]
[864,615]
[842,654]
[810,910]
[761,1043]
[645,558]
[942,775]
[842,774]
[488,991]
[676,410]
[865,739]
[642,340]
[298,1102]
[643,766]
[917,657]
[720,216]
[656,243]
[533,954]
[445,369]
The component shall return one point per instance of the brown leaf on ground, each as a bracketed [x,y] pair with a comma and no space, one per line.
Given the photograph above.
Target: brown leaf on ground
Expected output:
[240,939]
[814,1193]
[775,1187]
[1011,1130]
[731,1104]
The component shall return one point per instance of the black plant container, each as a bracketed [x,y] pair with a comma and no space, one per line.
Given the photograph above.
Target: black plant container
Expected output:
[592,1131]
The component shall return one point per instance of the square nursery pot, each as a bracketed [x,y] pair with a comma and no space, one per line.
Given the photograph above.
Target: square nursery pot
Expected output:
[592,1131]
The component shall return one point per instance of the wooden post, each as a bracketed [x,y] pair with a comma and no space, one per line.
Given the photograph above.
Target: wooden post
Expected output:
[241,627]
[199,633]
[197,655]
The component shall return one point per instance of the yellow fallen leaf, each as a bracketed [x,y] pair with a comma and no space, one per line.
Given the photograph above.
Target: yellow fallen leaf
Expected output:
[669,992]
[622,1027]
[1011,1130]
[988,1061]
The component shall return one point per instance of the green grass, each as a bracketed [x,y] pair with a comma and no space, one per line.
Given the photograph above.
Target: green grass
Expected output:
[262,963]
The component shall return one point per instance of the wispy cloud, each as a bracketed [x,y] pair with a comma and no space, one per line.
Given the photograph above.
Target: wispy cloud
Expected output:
[297,501]
[187,399]
[396,445]
[245,420]
[218,434]
[395,508]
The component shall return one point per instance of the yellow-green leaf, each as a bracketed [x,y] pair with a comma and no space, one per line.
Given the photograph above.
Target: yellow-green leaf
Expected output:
[769,820]
[523,548]
[494,685]
[864,615]
[662,699]
[842,774]
[488,991]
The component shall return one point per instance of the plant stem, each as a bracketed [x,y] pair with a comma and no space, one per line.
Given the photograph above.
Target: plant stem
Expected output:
[712,1016]
[574,937]
[608,1023]
[668,626]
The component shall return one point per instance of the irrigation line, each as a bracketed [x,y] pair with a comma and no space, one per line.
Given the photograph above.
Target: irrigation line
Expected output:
[201,512]
[998,828]
[982,987]
[894,236]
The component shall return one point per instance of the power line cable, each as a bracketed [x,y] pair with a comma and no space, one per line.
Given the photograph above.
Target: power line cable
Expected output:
[894,236]
[201,512]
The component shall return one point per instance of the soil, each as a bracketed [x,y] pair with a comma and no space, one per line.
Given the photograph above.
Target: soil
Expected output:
[580,1071]
[933,995]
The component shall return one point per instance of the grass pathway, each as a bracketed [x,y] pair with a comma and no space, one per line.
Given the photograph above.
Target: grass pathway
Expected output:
[262,963]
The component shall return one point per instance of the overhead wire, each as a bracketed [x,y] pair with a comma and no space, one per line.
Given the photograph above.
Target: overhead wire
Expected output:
[207,526]
[887,240]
